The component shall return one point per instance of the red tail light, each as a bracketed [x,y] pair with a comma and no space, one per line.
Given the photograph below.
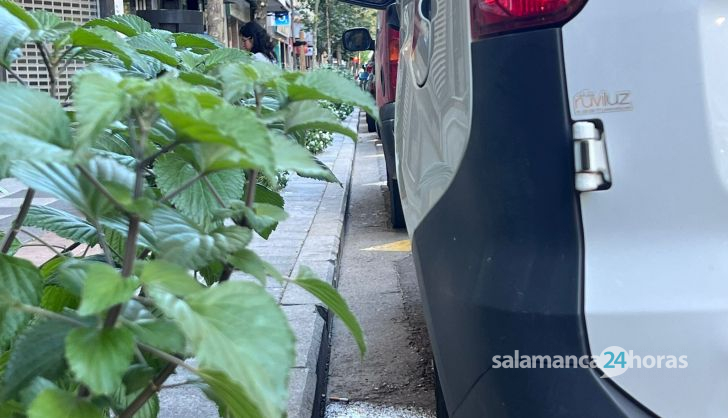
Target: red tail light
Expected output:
[491,17]
[393,58]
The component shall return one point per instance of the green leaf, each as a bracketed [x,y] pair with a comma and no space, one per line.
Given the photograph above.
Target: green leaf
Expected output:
[195,41]
[308,115]
[99,101]
[57,298]
[62,223]
[293,157]
[23,135]
[332,299]
[38,351]
[198,202]
[50,27]
[56,403]
[129,25]
[199,79]
[66,183]
[104,288]
[160,333]
[13,34]
[35,388]
[249,262]
[161,275]
[236,401]
[238,329]
[104,39]
[149,410]
[99,357]
[266,195]
[225,56]
[15,246]
[20,282]
[154,45]
[181,241]
[262,217]
[327,85]
[20,13]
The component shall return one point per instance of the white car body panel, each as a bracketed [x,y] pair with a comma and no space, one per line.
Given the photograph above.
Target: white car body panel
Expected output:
[656,243]
[431,162]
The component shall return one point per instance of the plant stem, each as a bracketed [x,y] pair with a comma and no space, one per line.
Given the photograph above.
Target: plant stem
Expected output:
[149,391]
[165,149]
[214,191]
[18,222]
[102,242]
[51,67]
[130,248]
[39,239]
[186,382]
[100,187]
[71,247]
[182,188]
[16,76]
[48,314]
[168,357]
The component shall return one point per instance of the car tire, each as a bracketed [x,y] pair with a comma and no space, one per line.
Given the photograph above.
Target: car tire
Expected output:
[371,124]
[396,215]
[440,407]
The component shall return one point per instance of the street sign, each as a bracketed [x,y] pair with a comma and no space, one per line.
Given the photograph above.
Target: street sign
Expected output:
[281,19]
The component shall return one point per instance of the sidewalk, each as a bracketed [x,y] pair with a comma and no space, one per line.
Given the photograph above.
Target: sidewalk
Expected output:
[311,237]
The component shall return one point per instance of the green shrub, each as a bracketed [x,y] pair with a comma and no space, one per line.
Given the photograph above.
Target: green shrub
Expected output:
[167,139]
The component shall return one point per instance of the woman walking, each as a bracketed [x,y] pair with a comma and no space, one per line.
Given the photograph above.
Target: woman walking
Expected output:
[256,40]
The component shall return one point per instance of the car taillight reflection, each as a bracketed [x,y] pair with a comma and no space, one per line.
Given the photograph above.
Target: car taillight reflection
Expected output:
[491,17]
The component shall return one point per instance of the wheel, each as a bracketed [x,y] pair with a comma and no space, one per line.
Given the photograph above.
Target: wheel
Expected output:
[440,408]
[396,215]
[371,124]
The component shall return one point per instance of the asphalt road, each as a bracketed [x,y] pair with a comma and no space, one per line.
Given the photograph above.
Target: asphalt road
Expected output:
[377,278]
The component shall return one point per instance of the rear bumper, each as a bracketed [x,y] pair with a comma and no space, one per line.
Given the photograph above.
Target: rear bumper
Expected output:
[509,278]
[386,132]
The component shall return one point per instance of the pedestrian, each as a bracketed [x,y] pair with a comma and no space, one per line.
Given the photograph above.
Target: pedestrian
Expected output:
[363,77]
[257,41]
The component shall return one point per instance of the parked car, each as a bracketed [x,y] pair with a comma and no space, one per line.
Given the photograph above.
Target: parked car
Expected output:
[563,170]
[384,87]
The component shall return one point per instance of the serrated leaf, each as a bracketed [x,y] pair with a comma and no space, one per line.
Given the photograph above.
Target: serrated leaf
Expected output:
[161,275]
[195,41]
[25,136]
[327,85]
[38,351]
[198,201]
[154,45]
[129,25]
[104,39]
[293,157]
[232,399]
[99,101]
[181,241]
[104,287]
[225,56]
[50,26]
[307,280]
[88,348]
[199,79]
[238,329]
[13,34]
[20,282]
[249,262]
[62,223]
[20,13]
[66,182]
[262,217]
[308,115]
[56,403]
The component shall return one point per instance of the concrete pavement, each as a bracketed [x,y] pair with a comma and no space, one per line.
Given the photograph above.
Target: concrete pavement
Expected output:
[311,237]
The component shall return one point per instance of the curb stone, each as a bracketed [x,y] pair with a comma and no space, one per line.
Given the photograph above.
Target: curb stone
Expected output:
[310,237]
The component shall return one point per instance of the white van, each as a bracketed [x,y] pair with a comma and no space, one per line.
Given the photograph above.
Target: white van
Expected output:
[563,169]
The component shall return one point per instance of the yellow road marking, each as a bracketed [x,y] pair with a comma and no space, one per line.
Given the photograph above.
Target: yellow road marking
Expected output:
[397,246]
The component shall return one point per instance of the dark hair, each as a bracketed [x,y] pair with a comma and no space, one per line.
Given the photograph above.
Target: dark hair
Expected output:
[261,41]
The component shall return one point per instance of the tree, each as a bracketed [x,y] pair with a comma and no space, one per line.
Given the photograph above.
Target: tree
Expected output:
[328,19]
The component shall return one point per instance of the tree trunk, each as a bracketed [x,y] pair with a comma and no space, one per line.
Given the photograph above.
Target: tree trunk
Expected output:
[314,64]
[328,32]
[216,20]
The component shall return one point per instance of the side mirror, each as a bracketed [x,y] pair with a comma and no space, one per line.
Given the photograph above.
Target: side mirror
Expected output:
[358,39]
